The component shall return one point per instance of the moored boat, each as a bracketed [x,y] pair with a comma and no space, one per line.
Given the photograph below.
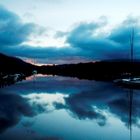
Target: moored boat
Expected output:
[130,81]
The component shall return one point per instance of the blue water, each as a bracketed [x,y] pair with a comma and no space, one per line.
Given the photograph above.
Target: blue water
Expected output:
[63,108]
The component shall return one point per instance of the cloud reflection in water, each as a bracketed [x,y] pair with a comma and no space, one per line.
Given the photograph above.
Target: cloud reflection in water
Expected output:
[45,102]
[12,108]
[82,100]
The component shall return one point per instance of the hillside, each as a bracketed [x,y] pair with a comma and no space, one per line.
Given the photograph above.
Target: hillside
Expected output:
[11,65]
[101,70]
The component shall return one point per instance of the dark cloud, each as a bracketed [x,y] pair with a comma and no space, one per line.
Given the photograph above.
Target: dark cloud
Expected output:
[83,33]
[107,46]
[12,30]
[84,41]
[44,55]
[86,45]
[122,33]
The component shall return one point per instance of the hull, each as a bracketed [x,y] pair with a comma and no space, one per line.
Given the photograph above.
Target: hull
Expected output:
[128,82]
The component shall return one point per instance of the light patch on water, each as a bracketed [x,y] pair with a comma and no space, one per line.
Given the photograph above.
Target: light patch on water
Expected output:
[104,112]
[45,102]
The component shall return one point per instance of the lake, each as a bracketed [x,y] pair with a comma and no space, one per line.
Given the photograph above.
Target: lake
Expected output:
[45,107]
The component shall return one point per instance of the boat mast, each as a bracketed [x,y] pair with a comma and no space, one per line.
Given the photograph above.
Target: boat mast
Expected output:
[132,45]
[132,52]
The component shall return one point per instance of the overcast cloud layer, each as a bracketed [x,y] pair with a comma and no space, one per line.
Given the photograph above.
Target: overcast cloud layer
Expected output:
[86,41]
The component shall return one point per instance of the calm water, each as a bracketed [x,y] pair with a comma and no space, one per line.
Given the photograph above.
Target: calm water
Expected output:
[62,108]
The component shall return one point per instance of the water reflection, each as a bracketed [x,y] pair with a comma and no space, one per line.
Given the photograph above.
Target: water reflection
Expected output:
[85,101]
[45,102]
[12,107]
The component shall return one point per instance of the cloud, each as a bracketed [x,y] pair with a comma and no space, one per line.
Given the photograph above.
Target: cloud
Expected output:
[83,33]
[122,33]
[44,55]
[111,45]
[86,41]
[12,30]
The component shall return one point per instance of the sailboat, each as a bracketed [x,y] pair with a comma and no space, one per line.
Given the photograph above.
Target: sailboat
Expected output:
[131,81]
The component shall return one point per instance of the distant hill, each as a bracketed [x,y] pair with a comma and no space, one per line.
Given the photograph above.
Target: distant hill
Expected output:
[9,65]
[100,70]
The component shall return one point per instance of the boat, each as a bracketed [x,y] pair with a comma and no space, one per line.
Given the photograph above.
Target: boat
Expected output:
[130,81]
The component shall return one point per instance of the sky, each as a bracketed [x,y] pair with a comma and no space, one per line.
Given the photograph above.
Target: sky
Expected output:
[69,31]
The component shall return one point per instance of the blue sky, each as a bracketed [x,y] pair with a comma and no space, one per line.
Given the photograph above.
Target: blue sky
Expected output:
[62,31]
